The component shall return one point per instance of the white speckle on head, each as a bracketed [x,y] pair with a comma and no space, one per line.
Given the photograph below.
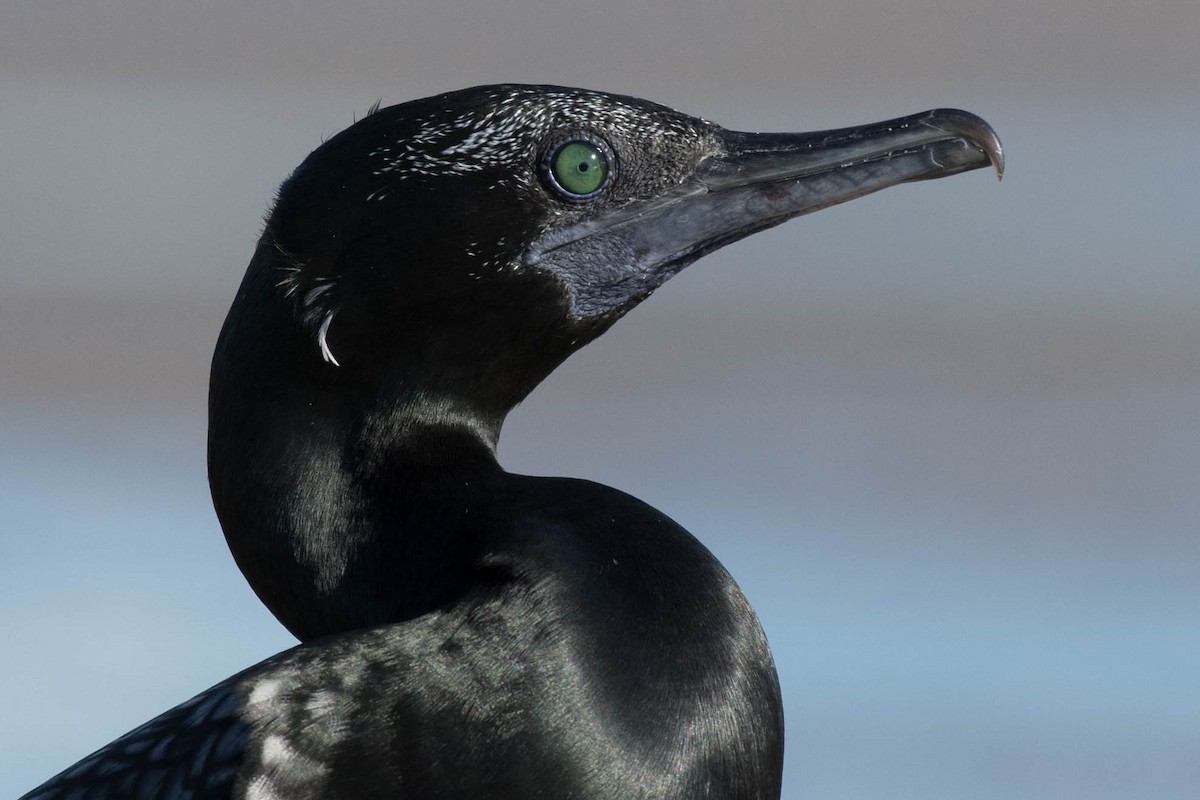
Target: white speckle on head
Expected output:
[288,281]
[322,332]
[315,293]
[315,308]
[500,134]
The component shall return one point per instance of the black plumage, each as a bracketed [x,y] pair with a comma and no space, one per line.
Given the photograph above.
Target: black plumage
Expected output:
[468,632]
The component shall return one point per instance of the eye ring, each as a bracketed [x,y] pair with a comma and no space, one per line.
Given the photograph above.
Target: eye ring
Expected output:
[578,166]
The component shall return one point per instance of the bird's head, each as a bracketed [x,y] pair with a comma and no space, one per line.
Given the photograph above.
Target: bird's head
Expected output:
[481,236]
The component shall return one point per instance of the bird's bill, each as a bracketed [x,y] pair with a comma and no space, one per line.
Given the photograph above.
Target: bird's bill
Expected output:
[760,180]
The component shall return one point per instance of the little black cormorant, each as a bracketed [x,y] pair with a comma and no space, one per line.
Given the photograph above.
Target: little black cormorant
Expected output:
[467,632]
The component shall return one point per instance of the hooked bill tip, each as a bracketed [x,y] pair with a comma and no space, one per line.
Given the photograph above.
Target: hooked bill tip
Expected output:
[973,129]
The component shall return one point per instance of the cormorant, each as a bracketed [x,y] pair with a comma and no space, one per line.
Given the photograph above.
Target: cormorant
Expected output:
[469,632]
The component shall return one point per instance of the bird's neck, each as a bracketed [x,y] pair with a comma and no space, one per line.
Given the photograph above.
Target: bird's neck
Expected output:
[355,504]
[340,492]
[343,521]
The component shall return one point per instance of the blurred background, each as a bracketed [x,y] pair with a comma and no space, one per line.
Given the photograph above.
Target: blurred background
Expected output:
[945,437]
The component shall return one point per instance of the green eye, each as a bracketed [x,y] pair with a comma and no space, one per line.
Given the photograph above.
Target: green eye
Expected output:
[579,168]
